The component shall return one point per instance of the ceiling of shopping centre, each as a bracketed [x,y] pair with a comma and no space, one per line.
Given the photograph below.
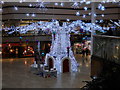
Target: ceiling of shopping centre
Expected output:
[55,12]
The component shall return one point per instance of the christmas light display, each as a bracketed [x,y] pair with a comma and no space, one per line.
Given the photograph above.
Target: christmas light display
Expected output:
[61,47]
[60,39]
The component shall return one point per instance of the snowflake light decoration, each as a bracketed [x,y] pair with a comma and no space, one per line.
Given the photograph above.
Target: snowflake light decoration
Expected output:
[75,5]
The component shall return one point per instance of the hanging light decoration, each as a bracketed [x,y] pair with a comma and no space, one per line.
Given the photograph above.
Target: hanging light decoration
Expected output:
[96,21]
[75,5]
[101,7]
[77,13]
[27,14]
[61,4]
[89,13]
[20,1]
[41,5]
[30,5]
[56,4]
[95,15]
[88,2]
[102,15]
[85,8]
[84,16]
[68,20]
[1,9]
[33,15]
[101,21]
[16,8]
[2,2]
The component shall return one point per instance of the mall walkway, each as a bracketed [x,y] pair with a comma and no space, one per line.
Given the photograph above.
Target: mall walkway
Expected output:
[16,74]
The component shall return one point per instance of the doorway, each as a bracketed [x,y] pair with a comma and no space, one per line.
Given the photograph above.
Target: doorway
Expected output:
[65,65]
[50,63]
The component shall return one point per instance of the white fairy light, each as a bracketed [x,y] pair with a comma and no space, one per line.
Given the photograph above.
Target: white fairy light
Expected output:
[16,8]
[61,4]
[20,1]
[68,20]
[1,9]
[56,4]
[101,21]
[30,5]
[77,13]
[82,1]
[75,5]
[84,16]
[103,1]
[27,14]
[95,15]
[89,13]
[96,21]
[85,8]
[101,7]
[33,15]
[102,15]
[2,2]
[41,5]
[88,2]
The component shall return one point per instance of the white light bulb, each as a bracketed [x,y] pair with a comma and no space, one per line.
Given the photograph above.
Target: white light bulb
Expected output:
[77,13]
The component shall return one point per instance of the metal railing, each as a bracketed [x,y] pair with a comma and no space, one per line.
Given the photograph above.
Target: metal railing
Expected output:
[107,47]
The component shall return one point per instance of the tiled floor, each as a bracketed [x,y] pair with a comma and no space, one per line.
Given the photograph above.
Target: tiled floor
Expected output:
[16,74]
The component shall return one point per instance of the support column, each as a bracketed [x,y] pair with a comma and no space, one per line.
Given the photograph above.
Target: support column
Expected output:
[38,46]
[93,19]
